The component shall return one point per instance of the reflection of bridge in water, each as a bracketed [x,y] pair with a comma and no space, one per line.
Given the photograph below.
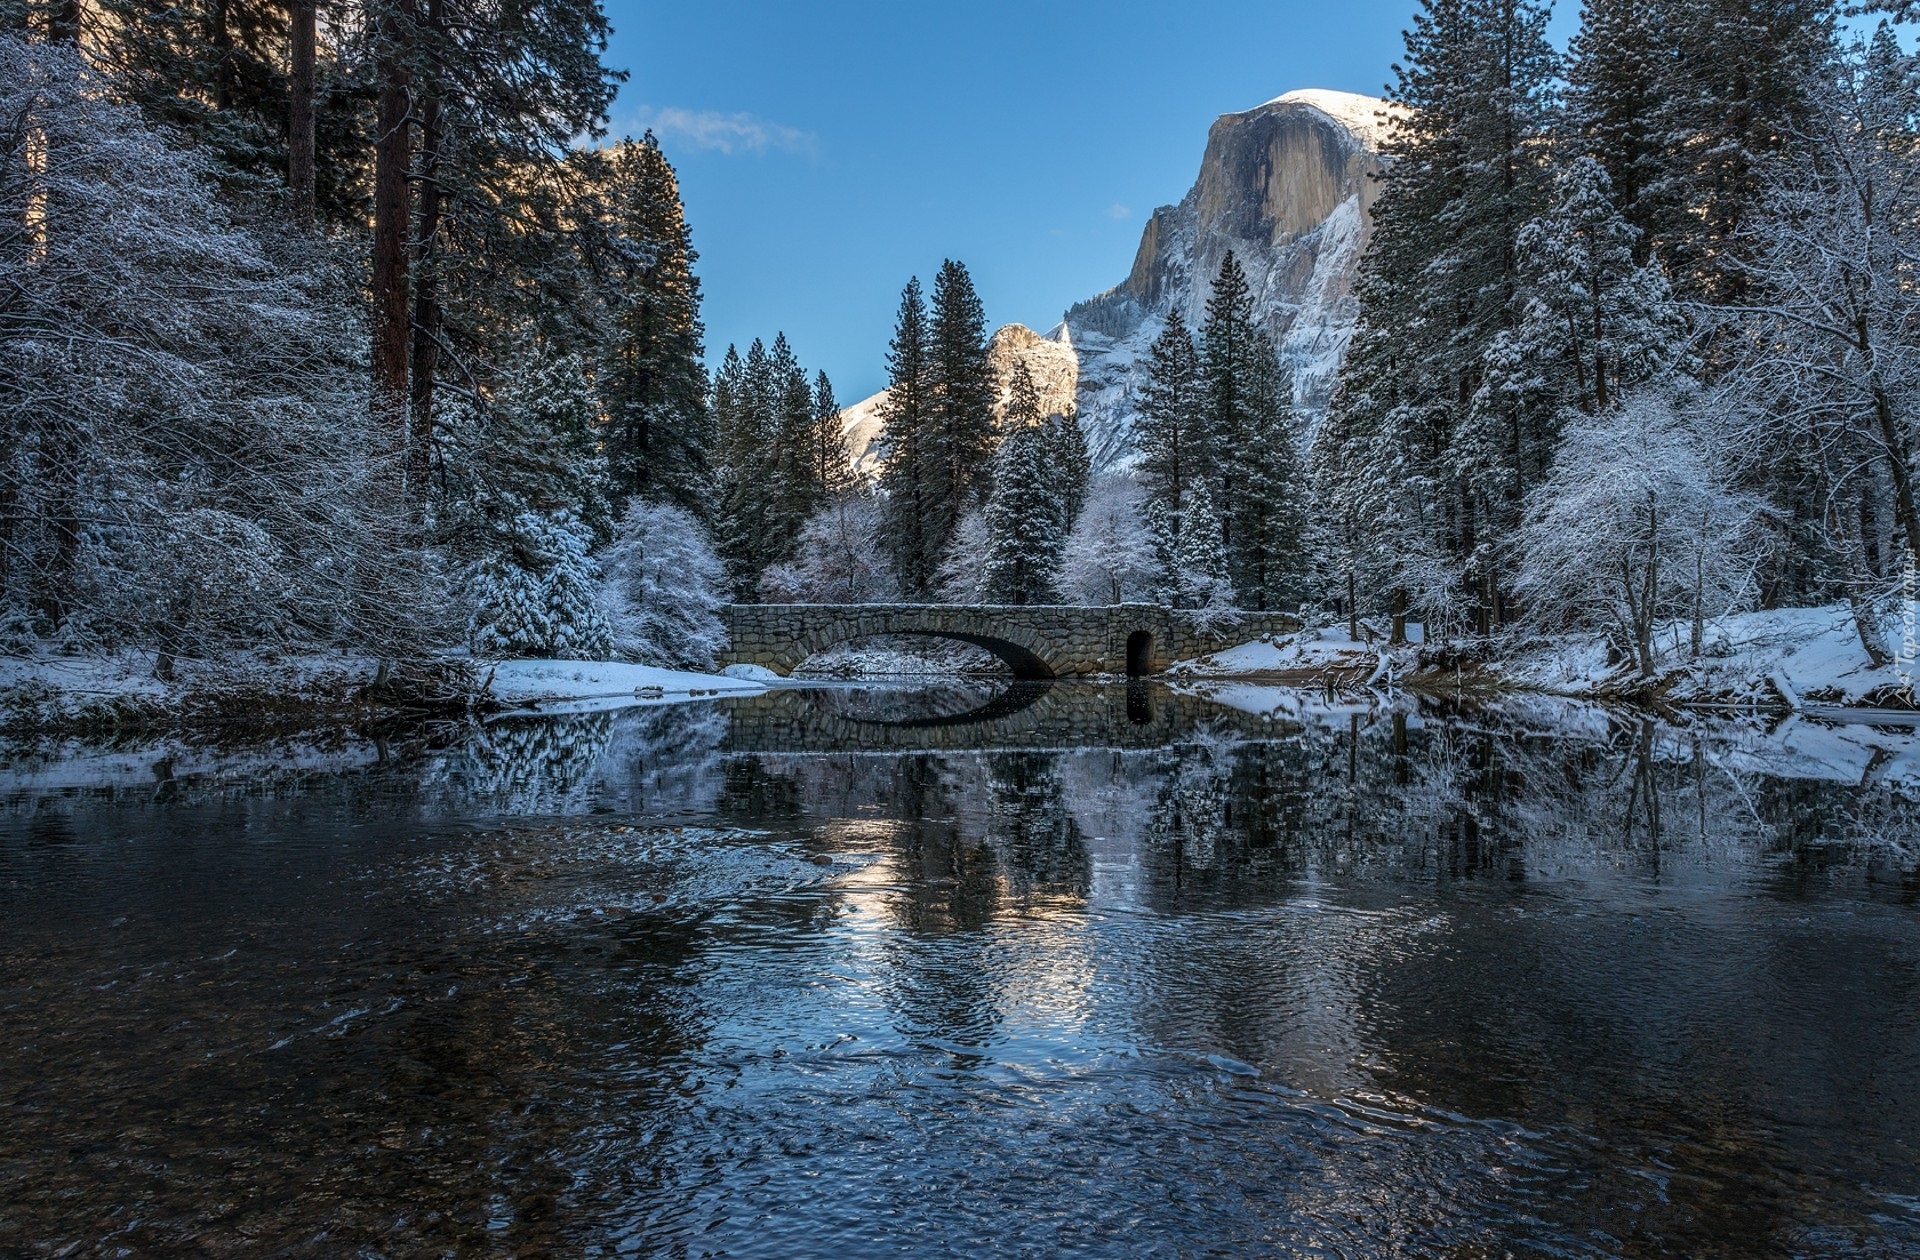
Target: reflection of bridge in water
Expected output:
[1024,717]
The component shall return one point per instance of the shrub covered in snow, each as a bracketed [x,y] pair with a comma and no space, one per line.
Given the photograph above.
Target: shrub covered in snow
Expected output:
[1638,524]
[838,560]
[664,588]
[1109,555]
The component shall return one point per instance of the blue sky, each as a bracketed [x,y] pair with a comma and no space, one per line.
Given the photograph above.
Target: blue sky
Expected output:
[829,150]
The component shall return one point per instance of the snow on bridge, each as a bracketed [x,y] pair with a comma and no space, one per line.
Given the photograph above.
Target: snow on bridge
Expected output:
[1035,640]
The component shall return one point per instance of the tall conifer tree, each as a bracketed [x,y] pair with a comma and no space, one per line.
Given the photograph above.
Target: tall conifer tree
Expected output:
[1170,432]
[1026,514]
[832,457]
[659,434]
[961,394]
[913,453]
[1232,346]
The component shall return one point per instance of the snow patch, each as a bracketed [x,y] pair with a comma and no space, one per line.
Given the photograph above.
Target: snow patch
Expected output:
[1369,118]
[542,681]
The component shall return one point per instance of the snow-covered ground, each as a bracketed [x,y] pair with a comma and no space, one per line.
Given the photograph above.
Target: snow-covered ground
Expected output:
[543,683]
[135,688]
[131,689]
[1807,659]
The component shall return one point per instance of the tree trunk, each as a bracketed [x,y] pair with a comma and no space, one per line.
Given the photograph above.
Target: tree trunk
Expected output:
[426,298]
[63,24]
[1897,467]
[1398,635]
[300,143]
[220,35]
[391,223]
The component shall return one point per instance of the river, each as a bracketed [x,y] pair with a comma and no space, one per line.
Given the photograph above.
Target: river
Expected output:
[960,970]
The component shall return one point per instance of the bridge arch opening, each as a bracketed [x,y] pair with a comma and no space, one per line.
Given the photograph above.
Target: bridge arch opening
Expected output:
[1139,653]
[1022,663]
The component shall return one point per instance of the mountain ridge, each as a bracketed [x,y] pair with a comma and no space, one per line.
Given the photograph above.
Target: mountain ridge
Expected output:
[1288,186]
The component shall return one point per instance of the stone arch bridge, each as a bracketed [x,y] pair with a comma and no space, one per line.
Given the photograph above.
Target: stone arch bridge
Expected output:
[1036,641]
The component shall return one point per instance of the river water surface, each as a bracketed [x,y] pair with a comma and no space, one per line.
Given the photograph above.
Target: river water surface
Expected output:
[935,972]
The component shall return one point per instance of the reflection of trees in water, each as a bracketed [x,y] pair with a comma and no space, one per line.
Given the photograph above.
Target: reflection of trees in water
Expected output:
[526,766]
[1029,826]
[658,759]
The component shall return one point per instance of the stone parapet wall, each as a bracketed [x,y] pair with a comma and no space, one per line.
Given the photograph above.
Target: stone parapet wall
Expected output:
[1036,640]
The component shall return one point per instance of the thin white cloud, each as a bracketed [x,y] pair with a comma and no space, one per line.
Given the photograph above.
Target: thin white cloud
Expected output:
[1118,211]
[724,133]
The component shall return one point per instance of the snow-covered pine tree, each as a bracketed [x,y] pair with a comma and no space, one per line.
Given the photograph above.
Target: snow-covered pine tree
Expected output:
[744,412]
[1591,323]
[1199,574]
[1734,93]
[1072,464]
[1421,482]
[1267,553]
[1025,514]
[534,446]
[651,379]
[795,486]
[1231,343]
[1617,80]
[535,592]
[913,454]
[1170,433]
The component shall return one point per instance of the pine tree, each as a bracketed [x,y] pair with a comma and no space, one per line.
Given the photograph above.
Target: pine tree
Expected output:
[794,488]
[533,446]
[1072,464]
[913,453]
[1267,552]
[652,381]
[1230,344]
[961,392]
[1170,434]
[1592,322]
[536,594]
[1024,515]
[1199,573]
[1616,80]
[1428,486]
[742,414]
[832,458]
[1733,94]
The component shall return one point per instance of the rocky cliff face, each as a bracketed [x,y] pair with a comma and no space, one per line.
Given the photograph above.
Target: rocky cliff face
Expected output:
[1289,188]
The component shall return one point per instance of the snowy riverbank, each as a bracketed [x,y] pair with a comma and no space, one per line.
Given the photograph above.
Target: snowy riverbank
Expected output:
[1795,659]
[135,691]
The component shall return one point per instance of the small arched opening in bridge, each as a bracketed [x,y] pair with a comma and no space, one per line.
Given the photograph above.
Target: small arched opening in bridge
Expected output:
[1139,653]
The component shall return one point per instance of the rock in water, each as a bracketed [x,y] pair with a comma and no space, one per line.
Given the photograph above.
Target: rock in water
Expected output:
[1289,188]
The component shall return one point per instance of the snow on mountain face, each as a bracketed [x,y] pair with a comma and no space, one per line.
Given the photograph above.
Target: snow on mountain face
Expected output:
[1048,357]
[1289,188]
